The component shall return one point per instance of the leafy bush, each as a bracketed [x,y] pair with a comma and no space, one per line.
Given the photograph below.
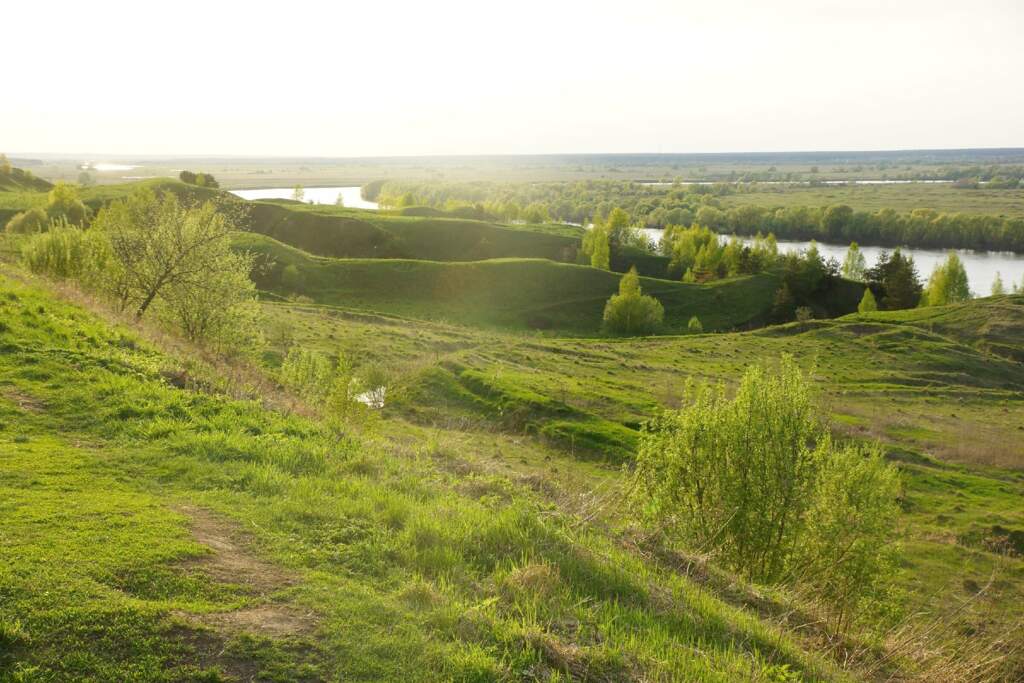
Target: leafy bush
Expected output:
[695,325]
[64,204]
[308,373]
[630,311]
[756,480]
[33,220]
[66,251]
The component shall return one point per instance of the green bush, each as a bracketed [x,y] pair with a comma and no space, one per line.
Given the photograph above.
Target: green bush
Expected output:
[756,480]
[308,373]
[26,222]
[630,311]
[66,251]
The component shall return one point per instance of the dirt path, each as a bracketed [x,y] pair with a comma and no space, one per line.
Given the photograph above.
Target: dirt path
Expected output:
[232,561]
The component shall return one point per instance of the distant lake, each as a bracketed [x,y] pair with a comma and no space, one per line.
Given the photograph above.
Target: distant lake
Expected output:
[351,196]
[981,266]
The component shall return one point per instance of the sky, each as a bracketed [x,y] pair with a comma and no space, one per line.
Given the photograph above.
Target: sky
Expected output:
[366,78]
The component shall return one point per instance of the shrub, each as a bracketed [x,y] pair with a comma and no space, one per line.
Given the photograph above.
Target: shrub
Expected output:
[308,373]
[847,551]
[66,251]
[695,325]
[756,480]
[26,222]
[64,204]
[630,311]
[867,302]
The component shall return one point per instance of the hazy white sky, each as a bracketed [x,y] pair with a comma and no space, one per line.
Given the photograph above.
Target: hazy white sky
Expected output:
[474,77]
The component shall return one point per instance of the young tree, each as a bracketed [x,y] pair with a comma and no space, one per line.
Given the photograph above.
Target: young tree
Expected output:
[695,325]
[948,283]
[867,302]
[596,247]
[161,246]
[5,165]
[854,265]
[998,289]
[896,276]
[339,200]
[630,311]
[85,179]
[298,194]
[784,305]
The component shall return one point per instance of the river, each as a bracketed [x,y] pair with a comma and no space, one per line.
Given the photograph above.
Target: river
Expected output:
[351,196]
[981,266]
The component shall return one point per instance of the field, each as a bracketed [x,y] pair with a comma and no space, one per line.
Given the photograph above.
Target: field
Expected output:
[941,197]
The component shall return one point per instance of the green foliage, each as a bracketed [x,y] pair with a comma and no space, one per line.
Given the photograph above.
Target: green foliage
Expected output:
[65,204]
[998,288]
[783,305]
[867,302]
[896,276]
[630,312]
[28,222]
[948,283]
[199,179]
[694,325]
[65,251]
[847,553]
[790,212]
[164,249]
[307,373]
[596,245]
[854,265]
[751,479]
[298,194]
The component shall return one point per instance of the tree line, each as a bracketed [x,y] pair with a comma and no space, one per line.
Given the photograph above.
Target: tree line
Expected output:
[657,206]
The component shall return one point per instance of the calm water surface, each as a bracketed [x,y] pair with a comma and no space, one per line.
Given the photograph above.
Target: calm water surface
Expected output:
[315,195]
[981,266]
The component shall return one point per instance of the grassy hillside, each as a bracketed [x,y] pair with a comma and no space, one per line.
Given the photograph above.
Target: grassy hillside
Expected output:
[505,293]
[19,180]
[348,233]
[944,400]
[161,533]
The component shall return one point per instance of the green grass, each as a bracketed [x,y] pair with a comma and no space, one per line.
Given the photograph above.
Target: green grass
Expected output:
[398,559]
[932,385]
[942,197]
[518,294]
[352,233]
